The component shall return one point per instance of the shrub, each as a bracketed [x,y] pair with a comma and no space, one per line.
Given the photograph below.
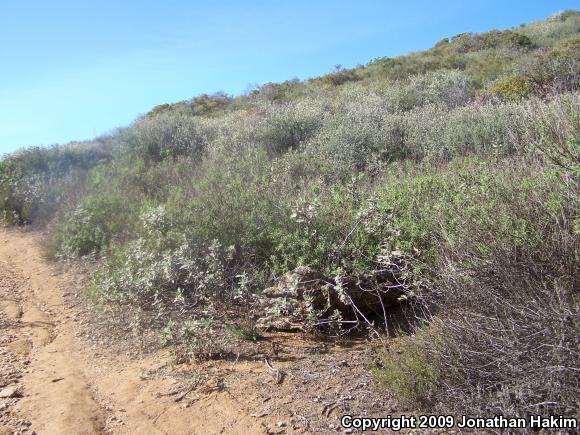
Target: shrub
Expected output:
[511,89]
[210,104]
[19,196]
[89,227]
[168,135]
[555,70]
[506,267]
[152,272]
[467,42]
[340,77]
[440,87]
[289,126]
[193,340]
[35,182]
[552,128]
[408,370]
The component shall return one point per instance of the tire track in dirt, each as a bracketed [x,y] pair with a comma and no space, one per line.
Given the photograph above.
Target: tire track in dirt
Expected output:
[56,397]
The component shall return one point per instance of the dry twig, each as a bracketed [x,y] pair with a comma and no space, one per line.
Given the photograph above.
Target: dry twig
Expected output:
[279,374]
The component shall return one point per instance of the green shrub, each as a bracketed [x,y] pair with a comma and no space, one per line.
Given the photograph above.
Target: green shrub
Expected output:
[90,226]
[289,126]
[35,182]
[553,129]
[408,370]
[511,89]
[193,340]
[167,135]
[245,333]
[503,264]
[339,77]
[19,197]
[467,42]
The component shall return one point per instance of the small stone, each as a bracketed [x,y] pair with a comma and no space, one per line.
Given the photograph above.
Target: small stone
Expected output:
[10,392]
[281,424]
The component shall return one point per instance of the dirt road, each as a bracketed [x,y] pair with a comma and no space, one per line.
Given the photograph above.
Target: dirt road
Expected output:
[55,379]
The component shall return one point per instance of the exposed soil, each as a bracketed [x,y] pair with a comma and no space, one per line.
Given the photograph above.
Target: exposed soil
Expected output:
[64,376]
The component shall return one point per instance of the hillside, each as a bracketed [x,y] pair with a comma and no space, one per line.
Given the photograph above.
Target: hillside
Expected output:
[427,202]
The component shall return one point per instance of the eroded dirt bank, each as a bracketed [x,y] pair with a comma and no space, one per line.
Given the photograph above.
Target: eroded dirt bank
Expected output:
[57,378]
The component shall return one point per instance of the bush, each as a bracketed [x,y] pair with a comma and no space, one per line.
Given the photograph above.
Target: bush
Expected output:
[440,87]
[90,226]
[553,71]
[169,134]
[35,182]
[553,129]
[406,368]
[511,89]
[505,256]
[340,77]
[154,270]
[467,42]
[289,126]
[193,340]
[19,196]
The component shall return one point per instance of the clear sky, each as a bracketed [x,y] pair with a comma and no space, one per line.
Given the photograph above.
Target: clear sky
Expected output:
[71,70]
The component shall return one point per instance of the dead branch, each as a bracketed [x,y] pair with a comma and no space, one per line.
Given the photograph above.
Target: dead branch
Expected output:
[185,392]
[279,374]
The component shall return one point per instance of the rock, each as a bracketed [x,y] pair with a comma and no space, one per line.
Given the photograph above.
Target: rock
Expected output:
[304,294]
[294,284]
[260,414]
[272,323]
[10,392]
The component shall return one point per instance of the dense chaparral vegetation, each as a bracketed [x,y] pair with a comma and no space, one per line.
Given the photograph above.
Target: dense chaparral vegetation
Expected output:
[464,158]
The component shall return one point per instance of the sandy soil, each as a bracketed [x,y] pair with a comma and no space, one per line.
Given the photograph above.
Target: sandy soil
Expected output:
[60,377]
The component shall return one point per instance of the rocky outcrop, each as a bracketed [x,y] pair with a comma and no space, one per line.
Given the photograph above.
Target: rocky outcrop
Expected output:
[303,296]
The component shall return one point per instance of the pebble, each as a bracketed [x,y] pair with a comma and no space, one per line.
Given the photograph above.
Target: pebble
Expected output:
[10,392]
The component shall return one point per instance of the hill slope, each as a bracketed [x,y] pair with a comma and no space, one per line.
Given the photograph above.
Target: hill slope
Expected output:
[447,177]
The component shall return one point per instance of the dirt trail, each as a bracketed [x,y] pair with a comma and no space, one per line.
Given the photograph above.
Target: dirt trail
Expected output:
[44,341]
[70,386]
[59,380]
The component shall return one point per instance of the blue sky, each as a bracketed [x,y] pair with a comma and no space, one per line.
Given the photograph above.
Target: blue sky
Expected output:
[71,70]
